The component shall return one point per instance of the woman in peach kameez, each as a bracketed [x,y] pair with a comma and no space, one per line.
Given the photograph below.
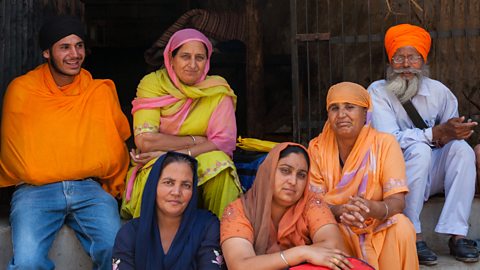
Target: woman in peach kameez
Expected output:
[278,223]
[361,173]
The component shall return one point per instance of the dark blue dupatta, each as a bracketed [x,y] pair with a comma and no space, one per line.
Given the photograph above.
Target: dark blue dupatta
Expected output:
[149,253]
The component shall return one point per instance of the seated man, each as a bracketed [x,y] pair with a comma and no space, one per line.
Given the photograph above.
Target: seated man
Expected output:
[62,139]
[437,157]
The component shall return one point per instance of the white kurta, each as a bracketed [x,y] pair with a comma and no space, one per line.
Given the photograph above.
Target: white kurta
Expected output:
[429,170]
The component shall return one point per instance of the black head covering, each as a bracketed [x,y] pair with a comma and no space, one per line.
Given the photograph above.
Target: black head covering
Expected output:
[59,27]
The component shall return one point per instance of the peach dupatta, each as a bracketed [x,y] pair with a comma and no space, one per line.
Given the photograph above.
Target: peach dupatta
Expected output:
[257,203]
[361,174]
[373,170]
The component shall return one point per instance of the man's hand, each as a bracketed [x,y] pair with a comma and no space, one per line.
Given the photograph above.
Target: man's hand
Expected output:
[454,129]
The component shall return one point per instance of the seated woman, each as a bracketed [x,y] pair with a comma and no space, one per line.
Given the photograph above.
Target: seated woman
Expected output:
[171,233]
[278,223]
[180,108]
[362,173]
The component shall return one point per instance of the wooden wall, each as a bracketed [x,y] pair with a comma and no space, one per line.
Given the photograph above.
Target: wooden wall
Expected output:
[20,22]
[351,48]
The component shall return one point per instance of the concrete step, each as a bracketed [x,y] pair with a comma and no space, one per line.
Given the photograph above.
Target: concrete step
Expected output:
[439,242]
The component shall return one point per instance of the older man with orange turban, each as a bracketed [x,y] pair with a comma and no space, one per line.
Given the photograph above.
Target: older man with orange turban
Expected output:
[422,113]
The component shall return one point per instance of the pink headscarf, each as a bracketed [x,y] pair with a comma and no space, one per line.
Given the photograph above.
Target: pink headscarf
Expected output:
[178,39]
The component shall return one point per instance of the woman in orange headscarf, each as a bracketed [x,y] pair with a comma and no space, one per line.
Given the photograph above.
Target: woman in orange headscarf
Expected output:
[278,223]
[361,173]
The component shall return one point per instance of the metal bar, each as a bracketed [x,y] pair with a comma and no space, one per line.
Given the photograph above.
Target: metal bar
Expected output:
[343,40]
[470,32]
[370,71]
[355,15]
[309,131]
[2,49]
[329,46]
[9,62]
[437,19]
[383,54]
[319,79]
[295,81]
[313,37]
[409,10]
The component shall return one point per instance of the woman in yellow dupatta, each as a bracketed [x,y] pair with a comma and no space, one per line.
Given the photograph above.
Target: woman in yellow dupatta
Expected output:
[180,108]
[362,174]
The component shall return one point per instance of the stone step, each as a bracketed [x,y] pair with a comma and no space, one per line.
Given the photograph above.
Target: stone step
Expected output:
[67,252]
[439,243]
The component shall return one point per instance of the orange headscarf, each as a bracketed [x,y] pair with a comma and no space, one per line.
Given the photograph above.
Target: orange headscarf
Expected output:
[358,173]
[407,35]
[50,134]
[257,204]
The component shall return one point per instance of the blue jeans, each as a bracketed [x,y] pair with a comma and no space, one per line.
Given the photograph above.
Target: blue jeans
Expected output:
[39,212]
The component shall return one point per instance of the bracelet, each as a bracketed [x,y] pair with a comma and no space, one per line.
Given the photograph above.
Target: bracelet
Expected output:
[189,152]
[284,259]
[386,213]
[193,139]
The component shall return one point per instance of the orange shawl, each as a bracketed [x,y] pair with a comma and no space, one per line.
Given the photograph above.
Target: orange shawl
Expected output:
[365,171]
[50,134]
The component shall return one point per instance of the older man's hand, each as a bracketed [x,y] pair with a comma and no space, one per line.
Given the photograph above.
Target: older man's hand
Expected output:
[454,129]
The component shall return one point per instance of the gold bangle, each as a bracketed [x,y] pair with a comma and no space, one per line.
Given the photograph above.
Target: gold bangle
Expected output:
[189,152]
[193,139]
[284,259]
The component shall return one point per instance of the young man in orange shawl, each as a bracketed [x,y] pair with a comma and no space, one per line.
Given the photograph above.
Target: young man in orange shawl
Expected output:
[436,155]
[62,140]
[361,173]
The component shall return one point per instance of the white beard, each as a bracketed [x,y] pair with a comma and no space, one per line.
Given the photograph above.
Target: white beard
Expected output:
[402,88]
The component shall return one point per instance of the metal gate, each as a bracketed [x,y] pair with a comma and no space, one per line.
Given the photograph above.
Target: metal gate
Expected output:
[342,40]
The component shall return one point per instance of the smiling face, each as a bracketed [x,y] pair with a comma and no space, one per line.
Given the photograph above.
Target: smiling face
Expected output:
[291,177]
[174,189]
[346,119]
[407,52]
[65,59]
[189,62]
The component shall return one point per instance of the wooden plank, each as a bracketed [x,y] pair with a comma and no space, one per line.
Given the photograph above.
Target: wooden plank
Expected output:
[254,84]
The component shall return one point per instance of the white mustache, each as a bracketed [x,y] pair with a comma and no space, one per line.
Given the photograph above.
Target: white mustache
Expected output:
[410,70]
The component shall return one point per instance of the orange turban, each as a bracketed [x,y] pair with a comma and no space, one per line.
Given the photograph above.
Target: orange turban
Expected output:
[350,93]
[407,35]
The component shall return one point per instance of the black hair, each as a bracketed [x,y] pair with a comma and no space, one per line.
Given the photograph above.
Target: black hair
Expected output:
[174,52]
[297,150]
[178,157]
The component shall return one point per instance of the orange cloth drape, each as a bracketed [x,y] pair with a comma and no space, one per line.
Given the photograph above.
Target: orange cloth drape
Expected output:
[374,170]
[407,35]
[50,134]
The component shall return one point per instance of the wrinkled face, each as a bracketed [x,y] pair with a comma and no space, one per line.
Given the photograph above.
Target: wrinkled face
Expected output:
[346,119]
[189,62]
[174,189]
[291,177]
[411,59]
[65,59]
